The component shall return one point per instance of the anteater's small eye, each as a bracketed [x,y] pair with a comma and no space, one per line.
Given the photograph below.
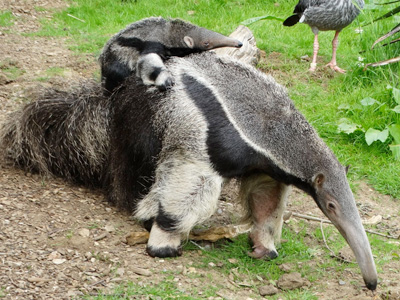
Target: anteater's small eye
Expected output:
[331,206]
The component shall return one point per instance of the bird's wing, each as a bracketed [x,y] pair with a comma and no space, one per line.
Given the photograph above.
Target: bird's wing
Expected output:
[304,4]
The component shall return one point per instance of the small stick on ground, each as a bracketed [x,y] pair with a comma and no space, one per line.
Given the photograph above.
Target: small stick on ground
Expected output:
[382,234]
[197,245]
[76,18]
[12,281]
[332,252]
[102,282]
[312,218]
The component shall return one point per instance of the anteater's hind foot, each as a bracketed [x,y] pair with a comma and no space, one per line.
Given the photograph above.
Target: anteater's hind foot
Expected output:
[265,201]
[259,251]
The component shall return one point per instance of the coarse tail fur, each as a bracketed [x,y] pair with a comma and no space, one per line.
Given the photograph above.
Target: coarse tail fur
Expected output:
[65,133]
[143,46]
[166,154]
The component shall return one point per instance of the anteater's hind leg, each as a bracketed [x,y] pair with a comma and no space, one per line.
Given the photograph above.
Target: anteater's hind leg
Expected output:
[264,200]
[184,194]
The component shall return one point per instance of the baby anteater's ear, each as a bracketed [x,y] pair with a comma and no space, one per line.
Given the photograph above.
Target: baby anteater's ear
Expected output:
[189,41]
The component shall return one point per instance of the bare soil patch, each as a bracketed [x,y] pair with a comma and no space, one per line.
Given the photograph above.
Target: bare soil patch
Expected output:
[60,241]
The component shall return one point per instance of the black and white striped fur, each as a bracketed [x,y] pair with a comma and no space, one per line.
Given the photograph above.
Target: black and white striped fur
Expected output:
[167,154]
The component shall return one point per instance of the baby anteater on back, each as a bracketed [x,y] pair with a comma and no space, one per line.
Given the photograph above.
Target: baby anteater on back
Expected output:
[143,46]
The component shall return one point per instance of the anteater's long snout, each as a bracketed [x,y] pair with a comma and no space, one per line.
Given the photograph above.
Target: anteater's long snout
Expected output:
[223,41]
[352,230]
[358,242]
[234,43]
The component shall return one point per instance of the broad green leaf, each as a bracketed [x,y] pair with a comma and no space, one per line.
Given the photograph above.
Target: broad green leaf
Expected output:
[395,150]
[373,135]
[395,132]
[344,106]
[397,109]
[396,95]
[369,101]
[357,107]
[253,20]
[347,126]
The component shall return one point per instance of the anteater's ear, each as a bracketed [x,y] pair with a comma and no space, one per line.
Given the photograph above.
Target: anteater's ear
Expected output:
[189,41]
[347,168]
[319,180]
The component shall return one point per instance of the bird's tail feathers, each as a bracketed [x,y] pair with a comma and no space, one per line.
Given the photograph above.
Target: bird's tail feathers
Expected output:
[292,20]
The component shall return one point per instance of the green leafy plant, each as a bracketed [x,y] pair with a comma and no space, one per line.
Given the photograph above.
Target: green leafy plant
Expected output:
[389,131]
[255,19]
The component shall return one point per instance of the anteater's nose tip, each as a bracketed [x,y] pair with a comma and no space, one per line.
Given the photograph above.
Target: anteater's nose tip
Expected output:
[372,285]
[240,44]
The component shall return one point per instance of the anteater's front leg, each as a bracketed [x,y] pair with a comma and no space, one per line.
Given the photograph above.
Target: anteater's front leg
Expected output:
[186,193]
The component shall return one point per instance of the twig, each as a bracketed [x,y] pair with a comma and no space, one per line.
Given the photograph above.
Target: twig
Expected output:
[69,15]
[201,248]
[382,234]
[332,252]
[120,295]
[312,218]
[96,283]
[54,232]
[12,281]
[233,283]
[100,237]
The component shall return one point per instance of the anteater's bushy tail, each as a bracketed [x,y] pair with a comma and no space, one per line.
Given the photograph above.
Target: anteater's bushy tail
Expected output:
[65,133]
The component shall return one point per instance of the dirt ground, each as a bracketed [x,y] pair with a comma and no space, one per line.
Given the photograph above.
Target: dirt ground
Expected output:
[61,241]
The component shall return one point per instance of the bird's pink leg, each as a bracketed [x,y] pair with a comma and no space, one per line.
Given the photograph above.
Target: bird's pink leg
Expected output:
[313,65]
[332,63]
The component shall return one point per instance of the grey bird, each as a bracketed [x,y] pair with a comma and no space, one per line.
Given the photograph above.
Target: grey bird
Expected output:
[324,15]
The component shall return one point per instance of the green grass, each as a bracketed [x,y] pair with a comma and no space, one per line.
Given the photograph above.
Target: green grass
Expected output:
[6,18]
[310,258]
[11,69]
[293,249]
[245,269]
[12,72]
[165,290]
[51,73]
